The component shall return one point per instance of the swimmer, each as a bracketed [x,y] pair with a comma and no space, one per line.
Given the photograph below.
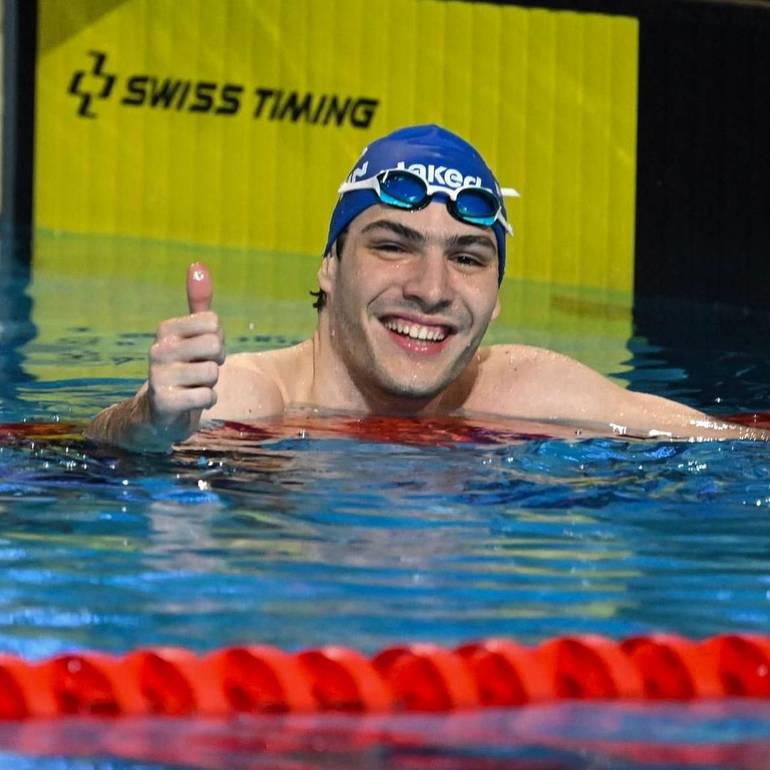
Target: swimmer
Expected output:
[408,283]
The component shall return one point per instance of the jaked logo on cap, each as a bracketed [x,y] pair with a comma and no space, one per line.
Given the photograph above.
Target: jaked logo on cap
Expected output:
[412,166]
[441,175]
[432,174]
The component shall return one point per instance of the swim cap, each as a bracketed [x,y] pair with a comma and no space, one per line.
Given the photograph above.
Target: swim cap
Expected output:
[440,157]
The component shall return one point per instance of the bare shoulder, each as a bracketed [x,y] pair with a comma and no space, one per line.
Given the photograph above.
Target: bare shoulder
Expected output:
[527,361]
[253,385]
[539,379]
[526,381]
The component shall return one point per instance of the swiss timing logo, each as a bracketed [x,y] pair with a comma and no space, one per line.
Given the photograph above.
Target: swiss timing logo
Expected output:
[223,99]
[91,84]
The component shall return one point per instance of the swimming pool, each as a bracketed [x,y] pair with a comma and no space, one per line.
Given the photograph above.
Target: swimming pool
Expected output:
[318,533]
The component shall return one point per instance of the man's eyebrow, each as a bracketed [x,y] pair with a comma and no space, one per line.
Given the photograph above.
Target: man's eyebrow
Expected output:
[397,228]
[464,241]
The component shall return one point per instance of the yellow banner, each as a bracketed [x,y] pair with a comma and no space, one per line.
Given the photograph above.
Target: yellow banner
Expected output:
[232,123]
[99,321]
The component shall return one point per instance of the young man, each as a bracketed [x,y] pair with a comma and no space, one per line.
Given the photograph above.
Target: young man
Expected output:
[408,285]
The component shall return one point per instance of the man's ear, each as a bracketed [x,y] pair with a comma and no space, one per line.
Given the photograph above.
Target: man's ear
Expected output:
[496,311]
[327,273]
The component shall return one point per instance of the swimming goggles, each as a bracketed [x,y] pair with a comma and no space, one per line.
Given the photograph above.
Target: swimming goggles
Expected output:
[407,190]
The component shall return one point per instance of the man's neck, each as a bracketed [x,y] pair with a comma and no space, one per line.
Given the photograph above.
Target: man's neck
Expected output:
[335,387]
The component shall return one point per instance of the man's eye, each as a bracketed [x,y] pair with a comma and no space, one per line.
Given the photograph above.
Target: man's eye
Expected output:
[390,246]
[469,260]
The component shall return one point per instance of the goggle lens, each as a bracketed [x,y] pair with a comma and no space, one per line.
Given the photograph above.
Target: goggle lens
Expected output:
[406,190]
[478,206]
[402,189]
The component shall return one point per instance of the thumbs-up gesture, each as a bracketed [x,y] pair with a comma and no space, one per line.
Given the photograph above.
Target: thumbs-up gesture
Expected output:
[184,362]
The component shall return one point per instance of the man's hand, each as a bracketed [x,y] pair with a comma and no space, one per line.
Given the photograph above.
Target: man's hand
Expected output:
[184,363]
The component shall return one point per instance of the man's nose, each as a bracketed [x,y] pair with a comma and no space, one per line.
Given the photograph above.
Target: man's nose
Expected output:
[429,282]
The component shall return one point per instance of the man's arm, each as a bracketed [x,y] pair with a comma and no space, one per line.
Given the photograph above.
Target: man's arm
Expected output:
[647,416]
[184,368]
[549,385]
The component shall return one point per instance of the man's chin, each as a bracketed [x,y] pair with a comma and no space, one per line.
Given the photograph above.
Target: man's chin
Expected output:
[412,392]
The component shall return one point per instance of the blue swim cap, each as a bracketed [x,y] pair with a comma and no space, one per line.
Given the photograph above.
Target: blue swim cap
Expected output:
[440,157]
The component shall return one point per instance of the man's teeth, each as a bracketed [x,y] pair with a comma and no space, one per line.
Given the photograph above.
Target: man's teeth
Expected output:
[416,331]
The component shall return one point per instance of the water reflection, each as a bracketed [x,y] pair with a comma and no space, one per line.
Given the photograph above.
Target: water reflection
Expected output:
[715,358]
[16,327]
[729,735]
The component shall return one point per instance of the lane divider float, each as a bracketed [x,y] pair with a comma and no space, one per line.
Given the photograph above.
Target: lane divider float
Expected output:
[422,677]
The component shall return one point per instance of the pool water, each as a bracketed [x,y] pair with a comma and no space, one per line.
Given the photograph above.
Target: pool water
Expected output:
[324,529]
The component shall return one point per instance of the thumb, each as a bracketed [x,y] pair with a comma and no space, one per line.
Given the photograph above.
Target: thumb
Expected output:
[199,287]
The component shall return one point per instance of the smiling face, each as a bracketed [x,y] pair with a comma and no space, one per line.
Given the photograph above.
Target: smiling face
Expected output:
[409,301]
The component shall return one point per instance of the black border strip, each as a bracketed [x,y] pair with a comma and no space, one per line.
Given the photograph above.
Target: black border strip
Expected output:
[19,66]
[703,158]
[642,9]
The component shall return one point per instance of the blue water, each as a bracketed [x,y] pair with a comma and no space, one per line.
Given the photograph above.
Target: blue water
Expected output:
[312,536]
[308,541]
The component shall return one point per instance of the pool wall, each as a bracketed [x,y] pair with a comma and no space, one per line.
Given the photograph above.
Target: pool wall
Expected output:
[635,131]
[234,124]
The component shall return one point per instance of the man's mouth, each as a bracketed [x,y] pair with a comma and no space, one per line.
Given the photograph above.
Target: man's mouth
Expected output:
[417,331]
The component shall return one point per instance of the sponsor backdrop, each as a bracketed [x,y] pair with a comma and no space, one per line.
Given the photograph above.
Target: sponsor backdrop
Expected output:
[636,130]
[231,124]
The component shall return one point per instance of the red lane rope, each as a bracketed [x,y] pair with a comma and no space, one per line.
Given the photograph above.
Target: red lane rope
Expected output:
[752,419]
[419,677]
